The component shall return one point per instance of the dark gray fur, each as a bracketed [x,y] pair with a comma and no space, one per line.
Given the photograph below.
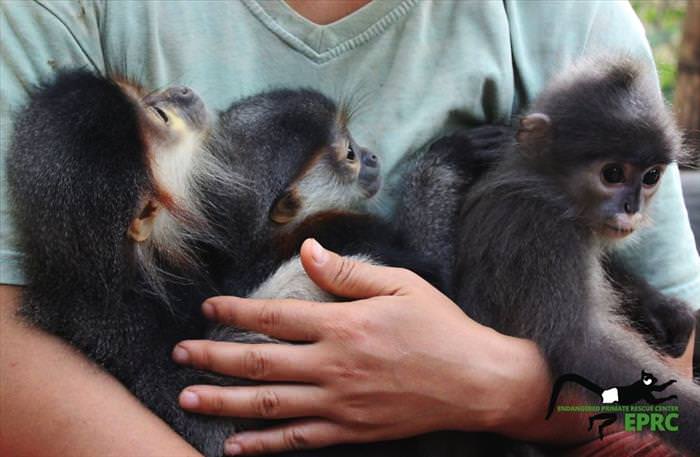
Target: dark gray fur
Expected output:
[77,173]
[432,193]
[520,229]
[665,322]
[433,187]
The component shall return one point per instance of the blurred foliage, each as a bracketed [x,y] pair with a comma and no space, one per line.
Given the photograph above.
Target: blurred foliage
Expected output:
[663,21]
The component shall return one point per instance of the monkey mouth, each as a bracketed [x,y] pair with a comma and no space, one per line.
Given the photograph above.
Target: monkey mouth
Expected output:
[370,188]
[616,231]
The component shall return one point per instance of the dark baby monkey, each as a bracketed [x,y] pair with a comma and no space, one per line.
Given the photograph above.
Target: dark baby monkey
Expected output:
[310,178]
[587,161]
[107,184]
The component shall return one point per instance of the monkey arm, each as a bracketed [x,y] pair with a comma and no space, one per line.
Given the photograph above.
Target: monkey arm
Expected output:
[666,323]
[52,401]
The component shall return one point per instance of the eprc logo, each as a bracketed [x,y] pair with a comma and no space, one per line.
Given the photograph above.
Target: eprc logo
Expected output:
[616,400]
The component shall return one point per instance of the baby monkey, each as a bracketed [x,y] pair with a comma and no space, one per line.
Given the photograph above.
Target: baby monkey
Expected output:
[107,184]
[585,165]
[311,179]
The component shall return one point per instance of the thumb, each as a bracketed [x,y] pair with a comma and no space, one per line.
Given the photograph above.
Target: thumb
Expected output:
[350,277]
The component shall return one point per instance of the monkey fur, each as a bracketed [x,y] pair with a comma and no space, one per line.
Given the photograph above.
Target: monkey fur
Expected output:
[122,197]
[106,183]
[665,322]
[587,160]
[433,187]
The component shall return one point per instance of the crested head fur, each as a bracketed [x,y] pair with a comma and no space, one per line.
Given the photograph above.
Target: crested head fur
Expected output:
[601,107]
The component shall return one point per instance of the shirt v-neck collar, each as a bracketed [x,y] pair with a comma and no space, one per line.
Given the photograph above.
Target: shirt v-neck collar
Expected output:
[322,43]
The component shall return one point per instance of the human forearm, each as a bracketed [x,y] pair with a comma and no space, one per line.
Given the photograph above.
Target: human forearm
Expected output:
[524,389]
[54,402]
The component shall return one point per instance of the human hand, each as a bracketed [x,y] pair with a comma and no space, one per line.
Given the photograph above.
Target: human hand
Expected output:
[401,360]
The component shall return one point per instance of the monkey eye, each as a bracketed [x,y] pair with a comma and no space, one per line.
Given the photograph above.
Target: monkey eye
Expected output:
[161,114]
[350,152]
[613,173]
[651,177]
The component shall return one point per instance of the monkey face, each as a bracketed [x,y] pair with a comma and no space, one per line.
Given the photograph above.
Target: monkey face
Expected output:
[174,124]
[342,176]
[356,166]
[614,195]
[175,109]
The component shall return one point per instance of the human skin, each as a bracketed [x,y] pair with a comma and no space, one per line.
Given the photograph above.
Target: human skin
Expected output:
[327,11]
[399,361]
[53,401]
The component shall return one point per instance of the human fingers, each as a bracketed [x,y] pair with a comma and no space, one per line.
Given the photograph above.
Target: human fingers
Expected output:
[350,278]
[297,435]
[292,320]
[265,402]
[263,362]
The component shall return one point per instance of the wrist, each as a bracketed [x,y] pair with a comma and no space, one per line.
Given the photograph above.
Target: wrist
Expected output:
[516,388]
[526,389]
[516,384]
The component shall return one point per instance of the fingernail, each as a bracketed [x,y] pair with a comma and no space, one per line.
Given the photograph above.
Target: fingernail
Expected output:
[208,310]
[318,253]
[189,399]
[232,448]
[181,355]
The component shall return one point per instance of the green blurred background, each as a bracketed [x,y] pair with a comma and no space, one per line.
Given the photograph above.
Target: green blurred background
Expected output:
[663,21]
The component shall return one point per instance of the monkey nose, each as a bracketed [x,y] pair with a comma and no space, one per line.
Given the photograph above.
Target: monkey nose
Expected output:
[182,94]
[631,208]
[370,160]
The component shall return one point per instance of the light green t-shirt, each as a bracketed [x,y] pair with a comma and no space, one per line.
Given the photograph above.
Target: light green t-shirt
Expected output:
[415,69]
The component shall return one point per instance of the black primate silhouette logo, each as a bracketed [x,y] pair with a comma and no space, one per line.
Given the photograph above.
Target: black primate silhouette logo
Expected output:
[622,395]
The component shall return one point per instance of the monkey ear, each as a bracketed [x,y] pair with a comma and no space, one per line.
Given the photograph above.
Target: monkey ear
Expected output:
[141,226]
[534,134]
[286,207]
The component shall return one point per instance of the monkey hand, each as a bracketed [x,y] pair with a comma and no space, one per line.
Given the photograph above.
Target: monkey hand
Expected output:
[399,361]
[476,149]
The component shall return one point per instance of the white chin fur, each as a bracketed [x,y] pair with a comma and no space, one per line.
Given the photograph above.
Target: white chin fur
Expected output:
[184,172]
[321,190]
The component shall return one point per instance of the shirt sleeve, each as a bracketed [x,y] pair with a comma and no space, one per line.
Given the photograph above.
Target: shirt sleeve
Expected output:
[547,36]
[37,38]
